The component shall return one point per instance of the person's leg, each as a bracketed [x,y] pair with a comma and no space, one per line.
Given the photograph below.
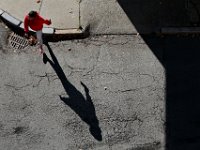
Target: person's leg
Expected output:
[40,40]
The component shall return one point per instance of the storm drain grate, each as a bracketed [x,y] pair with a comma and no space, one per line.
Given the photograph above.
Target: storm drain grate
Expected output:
[17,42]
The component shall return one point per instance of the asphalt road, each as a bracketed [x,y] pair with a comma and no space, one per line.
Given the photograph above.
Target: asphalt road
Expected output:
[101,93]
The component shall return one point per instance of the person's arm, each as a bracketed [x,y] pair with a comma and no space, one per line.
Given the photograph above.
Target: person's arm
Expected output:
[45,21]
[26,30]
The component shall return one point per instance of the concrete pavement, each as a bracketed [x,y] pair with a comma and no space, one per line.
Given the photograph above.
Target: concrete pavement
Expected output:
[144,89]
[125,83]
[111,17]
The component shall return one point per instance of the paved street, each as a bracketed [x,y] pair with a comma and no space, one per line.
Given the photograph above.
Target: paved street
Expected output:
[126,87]
[115,90]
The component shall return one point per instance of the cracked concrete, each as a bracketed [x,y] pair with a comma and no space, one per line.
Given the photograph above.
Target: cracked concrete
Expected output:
[125,81]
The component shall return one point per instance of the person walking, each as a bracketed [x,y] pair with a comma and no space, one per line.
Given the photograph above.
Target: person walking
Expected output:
[35,22]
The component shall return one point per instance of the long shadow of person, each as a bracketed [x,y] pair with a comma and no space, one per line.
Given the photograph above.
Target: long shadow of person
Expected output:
[83,107]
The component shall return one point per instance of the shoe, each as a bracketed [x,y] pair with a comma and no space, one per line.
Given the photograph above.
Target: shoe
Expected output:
[41,51]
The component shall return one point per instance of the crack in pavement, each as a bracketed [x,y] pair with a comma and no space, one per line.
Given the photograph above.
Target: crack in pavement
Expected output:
[94,41]
[130,90]
[95,64]
[119,119]
[50,77]
[18,88]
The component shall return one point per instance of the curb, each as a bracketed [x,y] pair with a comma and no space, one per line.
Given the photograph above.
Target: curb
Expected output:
[180,30]
[18,25]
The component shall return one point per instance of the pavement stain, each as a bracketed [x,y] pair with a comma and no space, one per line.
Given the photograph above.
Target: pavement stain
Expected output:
[20,130]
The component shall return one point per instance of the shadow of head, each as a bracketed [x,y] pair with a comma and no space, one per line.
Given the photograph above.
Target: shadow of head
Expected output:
[84,108]
[96,132]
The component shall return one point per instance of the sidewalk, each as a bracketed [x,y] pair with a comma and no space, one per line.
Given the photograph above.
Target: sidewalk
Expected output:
[110,17]
[65,14]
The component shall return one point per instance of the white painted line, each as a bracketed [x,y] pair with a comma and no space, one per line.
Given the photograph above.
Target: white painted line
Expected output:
[48,30]
[11,19]
[1,11]
[22,27]
[68,31]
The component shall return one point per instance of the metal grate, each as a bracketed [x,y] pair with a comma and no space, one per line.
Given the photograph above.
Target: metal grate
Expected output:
[17,42]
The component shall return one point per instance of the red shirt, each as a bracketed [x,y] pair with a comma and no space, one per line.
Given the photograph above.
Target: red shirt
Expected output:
[35,24]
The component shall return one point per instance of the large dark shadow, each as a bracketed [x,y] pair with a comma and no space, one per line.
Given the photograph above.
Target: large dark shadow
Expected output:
[182,64]
[180,58]
[83,107]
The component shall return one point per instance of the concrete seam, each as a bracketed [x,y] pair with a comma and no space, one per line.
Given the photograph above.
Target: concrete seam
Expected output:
[40,6]
[79,14]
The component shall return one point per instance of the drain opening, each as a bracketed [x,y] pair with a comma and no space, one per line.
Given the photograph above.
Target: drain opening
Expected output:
[17,42]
